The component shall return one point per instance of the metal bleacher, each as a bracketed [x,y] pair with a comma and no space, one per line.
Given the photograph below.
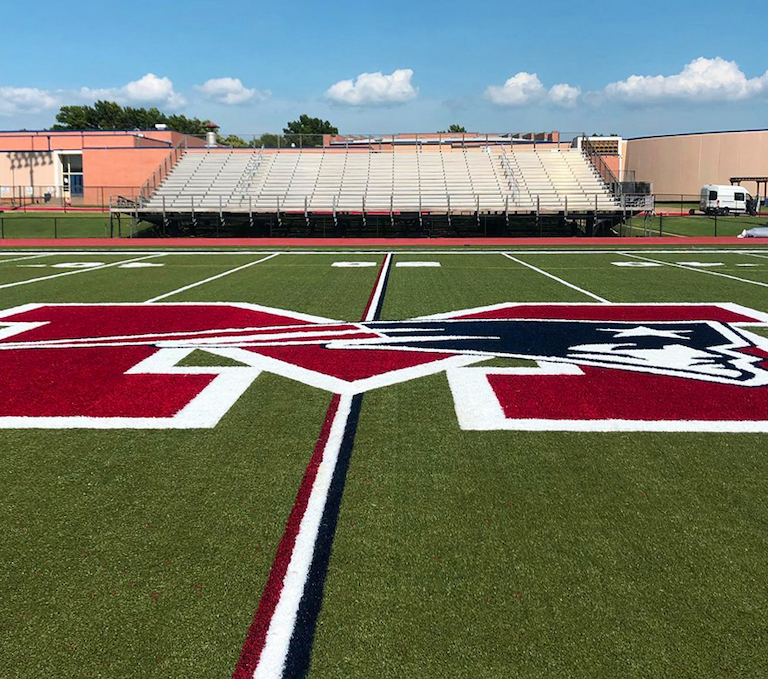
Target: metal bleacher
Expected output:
[492,179]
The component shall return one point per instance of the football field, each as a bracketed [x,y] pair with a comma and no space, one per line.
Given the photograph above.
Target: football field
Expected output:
[523,463]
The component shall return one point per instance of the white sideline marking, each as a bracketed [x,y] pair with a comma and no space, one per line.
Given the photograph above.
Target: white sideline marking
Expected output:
[417,264]
[703,265]
[211,278]
[278,639]
[635,264]
[585,251]
[689,268]
[78,271]
[352,265]
[559,280]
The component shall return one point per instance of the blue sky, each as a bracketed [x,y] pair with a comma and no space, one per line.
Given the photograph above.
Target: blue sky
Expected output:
[395,66]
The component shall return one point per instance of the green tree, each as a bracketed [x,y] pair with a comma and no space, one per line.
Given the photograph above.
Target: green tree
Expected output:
[234,141]
[456,129]
[108,115]
[308,131]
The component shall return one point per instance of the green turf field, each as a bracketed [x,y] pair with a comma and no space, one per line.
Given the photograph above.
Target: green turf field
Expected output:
[138,552]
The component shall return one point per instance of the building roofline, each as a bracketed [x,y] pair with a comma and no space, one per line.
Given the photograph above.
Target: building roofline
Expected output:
[690,134]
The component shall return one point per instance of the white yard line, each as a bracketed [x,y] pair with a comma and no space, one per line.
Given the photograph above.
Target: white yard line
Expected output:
[559,280]
[78,271]
[211,278]
[754,254]
[19,259]
[696,269]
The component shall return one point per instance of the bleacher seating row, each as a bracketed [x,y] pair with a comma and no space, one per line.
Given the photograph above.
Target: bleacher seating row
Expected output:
[488,180]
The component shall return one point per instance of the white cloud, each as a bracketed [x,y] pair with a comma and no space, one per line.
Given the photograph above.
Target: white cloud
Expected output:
[700,80]
[149,89]
[370,89]
[564,95]
[521,89]
[526,88]
[19,100]
[230,91]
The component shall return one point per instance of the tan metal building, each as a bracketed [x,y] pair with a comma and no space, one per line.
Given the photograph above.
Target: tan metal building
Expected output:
[683,163]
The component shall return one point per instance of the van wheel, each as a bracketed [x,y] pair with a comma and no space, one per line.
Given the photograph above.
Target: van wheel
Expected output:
[692,211]
[726,211]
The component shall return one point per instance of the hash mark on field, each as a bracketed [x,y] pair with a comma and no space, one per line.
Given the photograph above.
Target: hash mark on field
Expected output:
[417,264]
[75,272]
[559,280]
[211,278]
[699,270]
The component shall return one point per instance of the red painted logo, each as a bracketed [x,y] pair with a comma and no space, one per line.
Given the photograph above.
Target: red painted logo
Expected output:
[586,367]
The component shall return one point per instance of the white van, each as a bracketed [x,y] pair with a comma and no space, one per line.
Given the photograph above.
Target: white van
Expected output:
[721,199]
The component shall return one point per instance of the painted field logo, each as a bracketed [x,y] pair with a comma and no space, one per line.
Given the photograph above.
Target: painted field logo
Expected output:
[606,367]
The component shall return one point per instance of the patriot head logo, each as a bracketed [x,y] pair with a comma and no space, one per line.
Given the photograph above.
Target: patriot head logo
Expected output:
[581,367]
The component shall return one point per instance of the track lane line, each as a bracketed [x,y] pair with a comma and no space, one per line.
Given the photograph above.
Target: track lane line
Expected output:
[78,271]
[555,278]
[211,278]
[696,269]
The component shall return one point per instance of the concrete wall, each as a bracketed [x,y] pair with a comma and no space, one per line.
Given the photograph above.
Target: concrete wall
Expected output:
[681,164]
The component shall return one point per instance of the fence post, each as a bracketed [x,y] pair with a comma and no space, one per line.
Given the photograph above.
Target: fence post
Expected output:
[2,228]
[55,227]
[661,223]
[715,223]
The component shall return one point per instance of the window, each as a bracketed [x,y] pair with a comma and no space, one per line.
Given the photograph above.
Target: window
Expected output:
[738,196]
[713,195]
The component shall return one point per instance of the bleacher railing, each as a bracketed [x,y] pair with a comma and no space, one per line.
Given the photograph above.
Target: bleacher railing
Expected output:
[162,170]
[606,174]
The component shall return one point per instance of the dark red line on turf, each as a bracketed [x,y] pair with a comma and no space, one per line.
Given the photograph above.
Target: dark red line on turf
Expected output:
[301,644]
[257,633]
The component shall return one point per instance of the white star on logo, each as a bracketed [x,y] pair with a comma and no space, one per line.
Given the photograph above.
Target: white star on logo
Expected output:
[645,331]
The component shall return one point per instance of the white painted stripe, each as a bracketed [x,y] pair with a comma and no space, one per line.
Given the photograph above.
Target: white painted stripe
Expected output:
[211,278]
[19,259]
[278,639]
[370,312]
[706,271]
[417,264]
[78,271]
[559,280]
[353,265]
[458,250]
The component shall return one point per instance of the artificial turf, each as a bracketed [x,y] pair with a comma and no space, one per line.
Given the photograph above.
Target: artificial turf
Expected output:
[457,553]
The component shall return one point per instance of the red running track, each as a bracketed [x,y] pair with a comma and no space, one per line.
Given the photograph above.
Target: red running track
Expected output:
[383,243]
